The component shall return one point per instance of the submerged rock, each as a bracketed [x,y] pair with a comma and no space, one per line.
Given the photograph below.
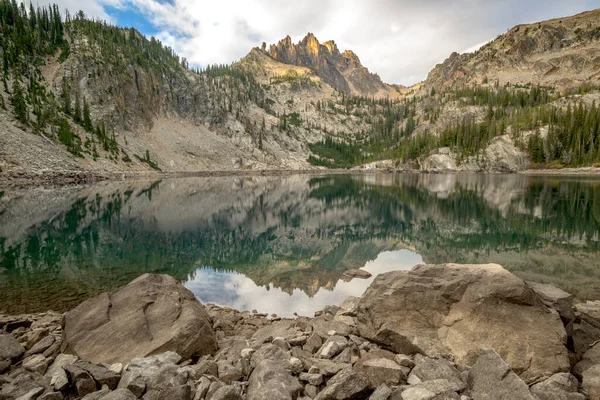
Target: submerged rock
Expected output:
[455,310]
[358,273]
[152,314]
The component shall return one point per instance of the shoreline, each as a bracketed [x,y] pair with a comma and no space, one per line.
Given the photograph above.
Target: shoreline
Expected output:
[23,178]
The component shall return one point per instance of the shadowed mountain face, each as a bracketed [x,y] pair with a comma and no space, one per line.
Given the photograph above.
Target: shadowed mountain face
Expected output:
[343,71]
[241,241]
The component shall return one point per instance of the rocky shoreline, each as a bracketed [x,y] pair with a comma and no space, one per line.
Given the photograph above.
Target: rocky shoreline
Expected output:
[23,178]
[436,332]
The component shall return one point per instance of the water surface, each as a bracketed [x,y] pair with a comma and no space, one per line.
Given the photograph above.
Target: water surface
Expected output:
[281,244]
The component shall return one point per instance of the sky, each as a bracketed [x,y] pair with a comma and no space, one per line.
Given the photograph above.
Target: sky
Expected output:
[400,40]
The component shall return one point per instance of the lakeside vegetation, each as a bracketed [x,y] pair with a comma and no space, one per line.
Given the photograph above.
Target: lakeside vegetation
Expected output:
[398,132]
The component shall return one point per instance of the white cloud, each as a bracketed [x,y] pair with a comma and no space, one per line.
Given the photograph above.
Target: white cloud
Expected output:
[399,39]
[93,8]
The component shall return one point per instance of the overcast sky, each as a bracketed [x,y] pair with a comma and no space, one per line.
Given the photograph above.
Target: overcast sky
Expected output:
[401,40]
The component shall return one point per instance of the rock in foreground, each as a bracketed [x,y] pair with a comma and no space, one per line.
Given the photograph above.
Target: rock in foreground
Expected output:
[320,358]
[151,315]
[456,310]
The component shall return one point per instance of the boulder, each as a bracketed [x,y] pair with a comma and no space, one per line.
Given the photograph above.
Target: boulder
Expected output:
[323,328]
[492,378]
[590,382]
[588,360]
[206,367]
[345,385]
[348,306]
[202,387]
[32,394]
[383,392]
[313,343]
[213,388]
[36,363]
[586,330]
[10,351]
[270,378]
[455,310]
[333,346]
[23,384]
[295,365]
[312,379]
[141,372]
[226,393]
[56,373]
[105,394]
[82,380]
[556,299]
[428,369]
[41,346]
[150,315]
[280,329]
[323,366]
[436,389]
[102,375]
[383,371]
[561,386]
[51,396]
[228,372]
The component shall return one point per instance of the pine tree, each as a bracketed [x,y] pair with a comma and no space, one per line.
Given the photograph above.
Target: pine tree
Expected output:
[18,103]
[87,120]
[66,96]
[77,115]
[260,134]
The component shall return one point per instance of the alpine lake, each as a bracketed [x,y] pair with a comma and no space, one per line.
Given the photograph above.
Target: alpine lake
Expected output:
[281,244]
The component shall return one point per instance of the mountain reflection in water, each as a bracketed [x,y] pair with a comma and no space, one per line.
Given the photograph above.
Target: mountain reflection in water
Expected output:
[281,244]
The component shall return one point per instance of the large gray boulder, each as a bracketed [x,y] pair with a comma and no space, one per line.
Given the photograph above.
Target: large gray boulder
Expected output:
[150,315]
[456,310]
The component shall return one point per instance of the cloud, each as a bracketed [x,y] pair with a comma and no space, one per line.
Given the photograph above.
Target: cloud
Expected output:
[399,39]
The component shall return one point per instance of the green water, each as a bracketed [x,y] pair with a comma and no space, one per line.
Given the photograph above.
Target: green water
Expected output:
[281,244]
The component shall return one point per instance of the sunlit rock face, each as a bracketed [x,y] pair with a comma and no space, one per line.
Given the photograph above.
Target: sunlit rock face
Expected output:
[343,71]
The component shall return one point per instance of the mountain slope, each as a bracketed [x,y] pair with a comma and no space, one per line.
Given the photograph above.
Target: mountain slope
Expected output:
[562,53]
[84,95]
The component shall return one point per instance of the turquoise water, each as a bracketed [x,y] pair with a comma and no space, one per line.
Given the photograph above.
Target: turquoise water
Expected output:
[280,244]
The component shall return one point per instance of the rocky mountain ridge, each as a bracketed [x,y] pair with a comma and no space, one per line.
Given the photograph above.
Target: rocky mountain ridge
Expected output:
[343,71]
[562,53]
[292,106]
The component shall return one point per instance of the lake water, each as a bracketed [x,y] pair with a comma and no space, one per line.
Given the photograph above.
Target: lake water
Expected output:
[280,244]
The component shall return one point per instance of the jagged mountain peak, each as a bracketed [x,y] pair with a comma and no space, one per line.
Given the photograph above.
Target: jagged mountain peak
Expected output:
[343,71]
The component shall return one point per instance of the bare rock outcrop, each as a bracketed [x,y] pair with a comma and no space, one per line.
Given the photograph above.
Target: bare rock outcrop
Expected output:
[456,310]
[150,315]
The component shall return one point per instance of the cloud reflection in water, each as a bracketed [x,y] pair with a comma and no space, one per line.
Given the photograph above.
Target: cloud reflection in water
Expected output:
[233,289]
